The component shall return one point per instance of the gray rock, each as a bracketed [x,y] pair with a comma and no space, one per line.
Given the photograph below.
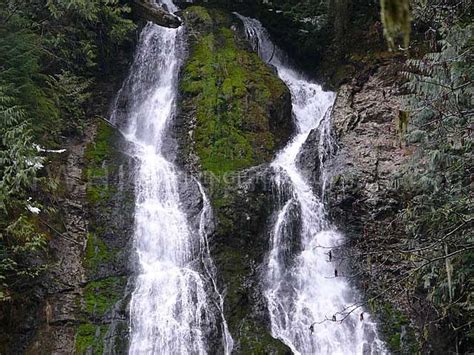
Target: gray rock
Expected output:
[308,160]
[147,10]
[369,155]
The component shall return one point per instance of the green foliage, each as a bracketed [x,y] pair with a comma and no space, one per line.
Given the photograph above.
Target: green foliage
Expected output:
[51,53]
[439,213]
[18,158]
[70,93]
[19,163]
[87,33]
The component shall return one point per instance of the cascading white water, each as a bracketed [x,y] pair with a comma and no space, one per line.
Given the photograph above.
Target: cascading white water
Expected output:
[169,304]
[170,309]
[305,291]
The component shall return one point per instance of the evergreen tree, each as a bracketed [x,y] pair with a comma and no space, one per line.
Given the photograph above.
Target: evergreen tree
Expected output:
[439,213]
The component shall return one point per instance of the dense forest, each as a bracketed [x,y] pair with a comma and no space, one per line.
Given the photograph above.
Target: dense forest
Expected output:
[63,62]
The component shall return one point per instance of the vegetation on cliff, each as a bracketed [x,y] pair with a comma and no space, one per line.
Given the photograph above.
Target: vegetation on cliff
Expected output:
[51,53]
[102,309]
[234,94]
[239,113]
[54,54]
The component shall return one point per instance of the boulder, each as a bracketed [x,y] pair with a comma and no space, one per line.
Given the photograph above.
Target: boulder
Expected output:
[149,12]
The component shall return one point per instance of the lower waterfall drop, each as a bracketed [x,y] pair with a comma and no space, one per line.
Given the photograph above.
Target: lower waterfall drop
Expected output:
[304,295]
[170,307]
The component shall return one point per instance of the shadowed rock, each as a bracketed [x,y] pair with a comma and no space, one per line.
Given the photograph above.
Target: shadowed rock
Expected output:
[149,12]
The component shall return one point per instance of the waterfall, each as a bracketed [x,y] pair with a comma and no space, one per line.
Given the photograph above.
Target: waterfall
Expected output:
[303,292]
[170,307]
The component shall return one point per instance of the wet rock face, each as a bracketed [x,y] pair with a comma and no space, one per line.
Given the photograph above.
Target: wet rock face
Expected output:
[362,197]
[190,199]
[91,316]
[370,153]
[111,202]
[239,247]
[308,159]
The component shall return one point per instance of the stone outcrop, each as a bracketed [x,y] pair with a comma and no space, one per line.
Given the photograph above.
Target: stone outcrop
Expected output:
[370,152]
[239,246]
[234,111]
[110,198]
[308,160]
[59,313]
[146,10]
[84,307]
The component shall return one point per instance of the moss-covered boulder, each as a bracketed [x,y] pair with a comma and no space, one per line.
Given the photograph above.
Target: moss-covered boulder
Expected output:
[240,110]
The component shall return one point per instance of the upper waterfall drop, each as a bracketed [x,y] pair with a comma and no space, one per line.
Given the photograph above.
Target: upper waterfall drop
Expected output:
[170,309]
[303,295]
[169,304]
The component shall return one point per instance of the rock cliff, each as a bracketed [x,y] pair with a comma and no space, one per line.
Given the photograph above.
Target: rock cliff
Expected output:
[85,305]
[363,198]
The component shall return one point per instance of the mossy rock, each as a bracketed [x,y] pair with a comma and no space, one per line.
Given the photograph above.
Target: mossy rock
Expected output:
[242,109]
[90,339]
[110,199]
[101,295]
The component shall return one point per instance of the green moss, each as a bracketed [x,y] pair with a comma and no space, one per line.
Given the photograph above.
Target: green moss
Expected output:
[101,296]
[100,149]
[90,337]
[263,343]
[97,252]
[102,162]
[393,323]
[98,156]
[233,95]
[232,90]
